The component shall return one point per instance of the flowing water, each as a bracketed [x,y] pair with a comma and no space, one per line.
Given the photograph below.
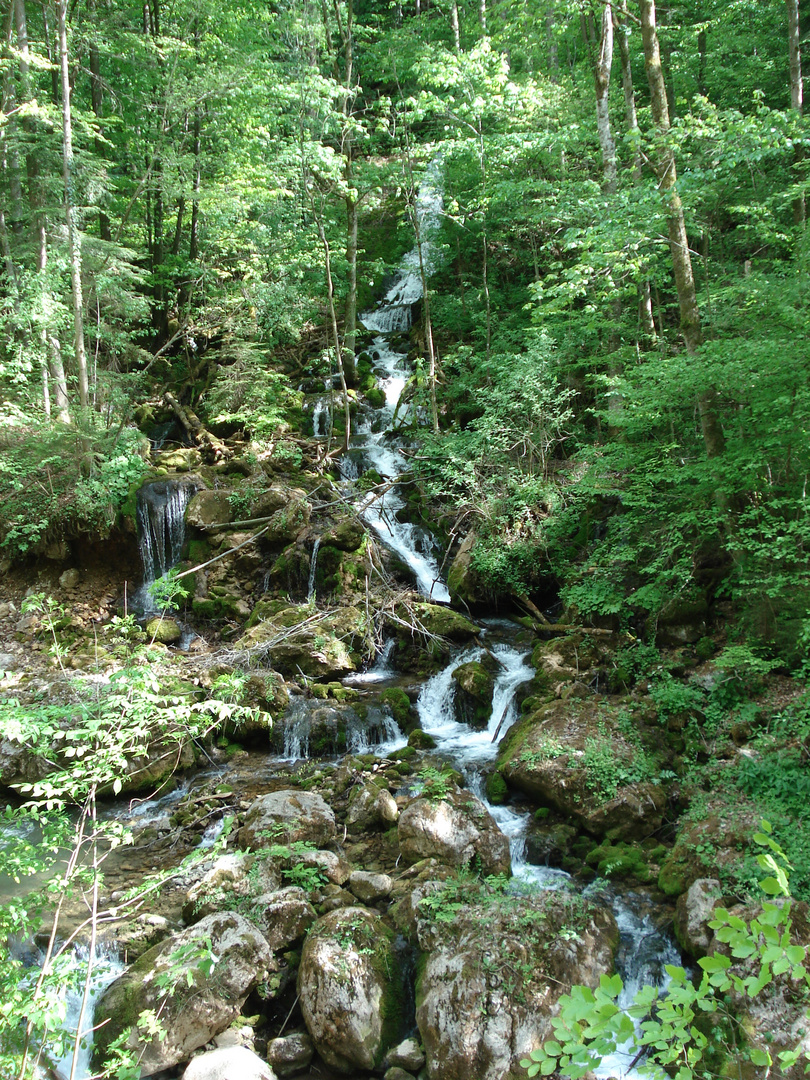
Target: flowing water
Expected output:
[161,509]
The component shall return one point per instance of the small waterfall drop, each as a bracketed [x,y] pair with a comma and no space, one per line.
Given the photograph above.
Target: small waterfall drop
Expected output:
[313,568]
[160,514]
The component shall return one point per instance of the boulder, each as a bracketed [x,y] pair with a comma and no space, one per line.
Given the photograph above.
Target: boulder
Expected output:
[574,757]
[463,583]
[286,816]
[164,630]
[290,520]
[455,830]
[710,843]
[234,877]
[345,535]
[196,1000]
[492,980]
[693,912]
[474,687]
[371,807]
[230,1063]
[284,916]
[290,1054]
[368,887]
[351,988]
[208,510]
[409,1055]
[326,649]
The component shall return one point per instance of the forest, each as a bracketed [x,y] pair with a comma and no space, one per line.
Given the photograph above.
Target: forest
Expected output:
[415,397]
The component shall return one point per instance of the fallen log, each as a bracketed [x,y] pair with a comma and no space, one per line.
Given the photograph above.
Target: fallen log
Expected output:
[211,448]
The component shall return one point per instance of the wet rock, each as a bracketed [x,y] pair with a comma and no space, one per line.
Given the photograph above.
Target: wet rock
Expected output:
[164,630]
[474,687]
[284,916]
[455,830]
[368,887]
[395,1073]
[712,842]
[694,911]
[209,509]
[409,1055]
[272,499]
[181,460]
[371,807]
[287,816]
[203,1001]
[234,877]
[492,980]
[229,1063]
[291,1054]
[350,988]
[334,869]
[445,623]
[288,522]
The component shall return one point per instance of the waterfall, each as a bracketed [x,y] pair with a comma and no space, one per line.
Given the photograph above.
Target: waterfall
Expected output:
[313,568]
[370,447]
[161,508]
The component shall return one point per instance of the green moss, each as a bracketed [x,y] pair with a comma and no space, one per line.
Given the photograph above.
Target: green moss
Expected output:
[619,860]
[399,704]
[420,740]
[407,753]
[497,791]
[672,880]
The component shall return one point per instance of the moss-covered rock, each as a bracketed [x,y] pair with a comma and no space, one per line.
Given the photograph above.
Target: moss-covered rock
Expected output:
[474,688]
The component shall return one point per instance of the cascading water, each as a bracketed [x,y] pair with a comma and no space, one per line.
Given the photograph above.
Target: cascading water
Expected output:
[161,508]
[644,949]
[313,568]
[372,446]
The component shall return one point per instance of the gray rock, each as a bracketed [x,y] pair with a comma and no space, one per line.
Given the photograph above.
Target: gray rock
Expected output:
[371,807]
[455,830]
[369,887]
[198,1003]
[350,987]
[208,509]
[694,910]
[69,579]
[284,916]
[290,1054]
[228,1063]
[287,816]
[409,1055]
[234,876]
[395,1073]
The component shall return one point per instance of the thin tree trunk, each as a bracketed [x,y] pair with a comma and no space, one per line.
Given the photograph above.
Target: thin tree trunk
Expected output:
[664,163]
[330,293]
[51,350]
[432,373]
[97,102]
[454,23]
[553,51]
[796,93]
[631,120]
[74,239]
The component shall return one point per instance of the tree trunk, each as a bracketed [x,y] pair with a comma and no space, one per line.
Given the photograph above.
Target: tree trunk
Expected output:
[664,164]
[631,121]
[604,62]
[74,240]
[330,293]
[51,350]
[454,23]
[796,93]
[97,102]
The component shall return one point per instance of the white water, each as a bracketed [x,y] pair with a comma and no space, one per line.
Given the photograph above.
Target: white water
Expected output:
[313,568]
[644,949]
[372,447]
[106,967]
[161,533]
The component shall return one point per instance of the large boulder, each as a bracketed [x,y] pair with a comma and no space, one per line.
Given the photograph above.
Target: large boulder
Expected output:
[710,842]
[287,816]
[573,756]
[237,877]
[197,980]
[494,975]
[351,988]
[286,636]
[284,916]
[290,1054]
[463,582]
[456,830]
